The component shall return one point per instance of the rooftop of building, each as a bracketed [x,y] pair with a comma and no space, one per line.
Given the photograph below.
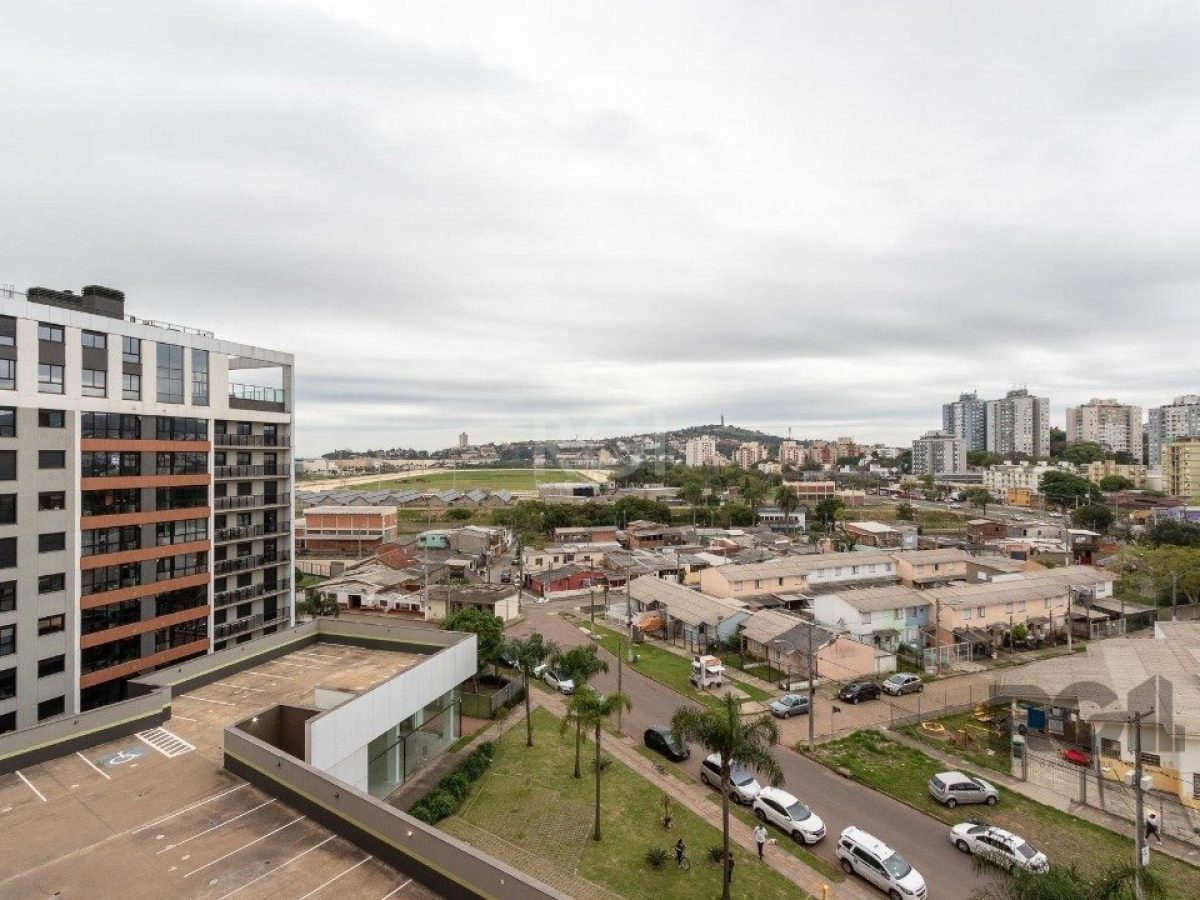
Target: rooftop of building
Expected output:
[349,510]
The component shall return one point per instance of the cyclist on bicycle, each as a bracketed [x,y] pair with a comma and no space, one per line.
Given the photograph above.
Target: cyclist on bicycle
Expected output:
[679,849]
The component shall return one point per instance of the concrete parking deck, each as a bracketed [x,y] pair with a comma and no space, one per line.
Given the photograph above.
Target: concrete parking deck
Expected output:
[157,816]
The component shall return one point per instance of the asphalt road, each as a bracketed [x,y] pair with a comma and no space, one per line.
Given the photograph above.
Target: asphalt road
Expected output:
[923,841]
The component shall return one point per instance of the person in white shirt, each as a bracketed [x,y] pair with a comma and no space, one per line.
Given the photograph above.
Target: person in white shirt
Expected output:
[760,838]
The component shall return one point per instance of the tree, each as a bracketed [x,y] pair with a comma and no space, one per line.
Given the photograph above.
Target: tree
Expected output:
[787,501]
[1170,532]
[1110,483]
[581,665]
[1066,489]
[527,653]
[1114,882]
[692,493]
[1058,441]
[1124,458]
[460,514]
[1095,516]
[488,630]
[753,493]
[979,497]
[904,512]
[317,604]
[627,509]
[983,458]
[829,510]
[742,742]
[588,709]
[1086,452]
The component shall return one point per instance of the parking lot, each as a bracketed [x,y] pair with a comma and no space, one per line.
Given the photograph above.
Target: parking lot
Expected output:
[155,815]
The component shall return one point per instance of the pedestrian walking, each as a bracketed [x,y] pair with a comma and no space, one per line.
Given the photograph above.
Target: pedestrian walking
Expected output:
[760,838]
[1152,827]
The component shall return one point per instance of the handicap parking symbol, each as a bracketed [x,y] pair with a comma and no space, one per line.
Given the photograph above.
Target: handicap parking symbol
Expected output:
[123,757]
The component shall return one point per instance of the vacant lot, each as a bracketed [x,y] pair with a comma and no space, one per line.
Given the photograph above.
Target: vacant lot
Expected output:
[469,479]
[886,766]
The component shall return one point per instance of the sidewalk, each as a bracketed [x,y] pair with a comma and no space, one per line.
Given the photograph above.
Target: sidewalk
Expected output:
[1170,846]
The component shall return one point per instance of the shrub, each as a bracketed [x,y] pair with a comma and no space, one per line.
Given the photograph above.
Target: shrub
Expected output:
[456,784]
[656,857]
[421,811]
[716,854]
[449,793]
[440,805]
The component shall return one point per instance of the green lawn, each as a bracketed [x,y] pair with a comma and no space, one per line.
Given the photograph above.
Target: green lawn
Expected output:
[469,479]
[786,844]
[981,740]
[530,799]
[882,764]
[673,670]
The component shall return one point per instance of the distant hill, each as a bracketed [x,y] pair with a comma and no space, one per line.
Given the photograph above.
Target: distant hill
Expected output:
[728,432]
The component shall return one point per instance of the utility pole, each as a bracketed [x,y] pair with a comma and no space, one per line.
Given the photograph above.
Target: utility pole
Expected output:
[812,676]
[937,637]
[1143,851]
[620,653]
[1070,597]
[1174,590]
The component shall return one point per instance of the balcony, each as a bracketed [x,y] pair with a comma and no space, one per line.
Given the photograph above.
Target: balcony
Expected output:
[276,471]
[241,595]
[247,532]
[246,563]
[251,440]
[250,501]
[250,623]
[252,396]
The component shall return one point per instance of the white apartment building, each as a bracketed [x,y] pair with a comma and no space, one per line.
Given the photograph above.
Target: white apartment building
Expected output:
[700,451]
[1180,418]
[999,480]
[750,454]
[939,453]
[791,454]
[1020,423]
[145,498]
[1104,421]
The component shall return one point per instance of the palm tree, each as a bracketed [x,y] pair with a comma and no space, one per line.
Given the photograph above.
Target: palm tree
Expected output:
[787,501]
[588,709]
[1114,882]
[527,653]
[754,492]
[738,741]
[580,664]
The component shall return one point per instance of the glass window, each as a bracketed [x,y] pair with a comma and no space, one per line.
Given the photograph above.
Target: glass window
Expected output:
[8,465]
[51,500]
[8,640]
[48,584]
[8,552]
[51,665]
[51,418]
[8,684]
[49,708]
[131,387]
[110,425]
[200,377]
[131,350]
[170,373]
[8,374]
[51,459]
[8,331]
[50,378]
[95,339]
[8,596]
[94,382]
[52,542]
[8,421]
[48,332]
[8,509]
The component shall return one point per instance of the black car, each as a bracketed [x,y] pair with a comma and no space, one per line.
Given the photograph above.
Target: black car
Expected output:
[660,740]
[857,691]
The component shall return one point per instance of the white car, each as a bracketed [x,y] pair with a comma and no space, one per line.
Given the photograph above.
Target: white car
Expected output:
[787,813]
[866,856]
[1002,847]
[558,681]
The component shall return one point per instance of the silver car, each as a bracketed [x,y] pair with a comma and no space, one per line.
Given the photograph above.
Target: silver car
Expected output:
[789,705]
[953,788]
[743,786]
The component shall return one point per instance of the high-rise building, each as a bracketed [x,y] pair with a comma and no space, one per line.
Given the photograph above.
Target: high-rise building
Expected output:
[145,498]
[750,454]
[1106,422]
[966,418]
[791,453]
[463,441]
[1180,418]
[700,451]
[1181,467]
[1020,423]
[939,453]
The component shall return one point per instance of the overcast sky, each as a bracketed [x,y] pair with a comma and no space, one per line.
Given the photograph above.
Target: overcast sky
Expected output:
[531,219]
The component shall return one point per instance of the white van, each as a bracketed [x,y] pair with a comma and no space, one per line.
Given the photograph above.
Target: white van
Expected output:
[869,858]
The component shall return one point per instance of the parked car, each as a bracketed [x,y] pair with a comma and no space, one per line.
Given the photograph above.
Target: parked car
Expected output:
[869,858]
[558,681]
[953,788]
[789,705]
[1002,847]
[903,683]
[506,578]
[1076,757]
[661,740]
[857,691]
[787,813]
[743,786]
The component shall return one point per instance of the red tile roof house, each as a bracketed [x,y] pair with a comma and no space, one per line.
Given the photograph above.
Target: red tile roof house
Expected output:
[565,580]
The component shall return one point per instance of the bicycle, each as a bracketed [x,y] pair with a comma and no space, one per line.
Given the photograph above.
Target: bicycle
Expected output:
[682,862]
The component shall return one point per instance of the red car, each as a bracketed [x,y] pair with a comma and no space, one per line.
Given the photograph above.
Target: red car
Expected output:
[1077,757]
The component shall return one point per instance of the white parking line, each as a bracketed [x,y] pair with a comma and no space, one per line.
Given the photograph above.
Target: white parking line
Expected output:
[180,812]
[265,675]
[278,867]
[243,847]
[29,785]
[215,827]
[334,878]
[204,700]
[184,718]
[241,687]
[98,770]
[397,890]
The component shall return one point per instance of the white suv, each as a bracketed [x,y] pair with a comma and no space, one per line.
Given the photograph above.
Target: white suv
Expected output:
[871,859]
[786,812]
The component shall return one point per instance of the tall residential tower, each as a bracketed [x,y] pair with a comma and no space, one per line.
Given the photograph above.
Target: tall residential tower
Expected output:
[966,418]
[1106,422]
[1020,423]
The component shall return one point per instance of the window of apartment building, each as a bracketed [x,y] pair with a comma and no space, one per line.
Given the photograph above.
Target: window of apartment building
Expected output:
[968,613]
[52,624]
[48,332]
[50,378]
[1110,747]
[8,596]
[8,374]
[8,465]
[131,349]
[168,533]
[94,541]
[51,418]
[93,382]
[181,463]
[200,377]
[8,331]
[51,500]
[8,509]
[48,584]
[48,709]
[110,425]
[110,578]
[109,502]
[181,428]
[51,665]
[97,340]
[244,610]
[8,421]
[180,566]
[243,458]
[8,640]
[108,463]
[8,552]
[8,684]
[1151,759]
[52,542]
[131,386]
[170,373]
